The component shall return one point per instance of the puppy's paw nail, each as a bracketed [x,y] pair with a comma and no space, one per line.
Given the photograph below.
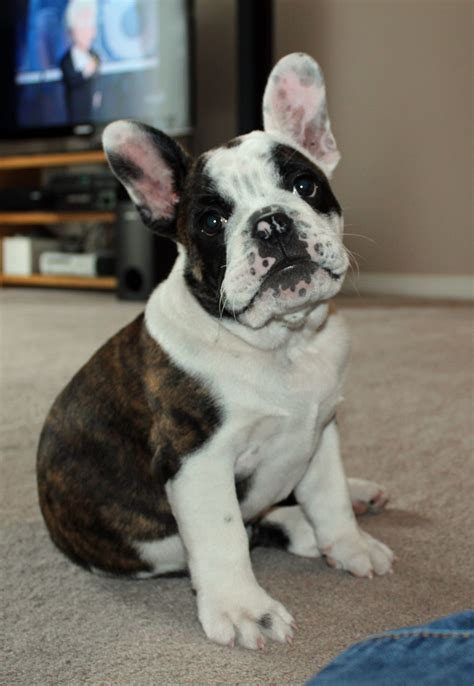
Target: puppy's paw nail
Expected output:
[294,625]
[289,639]
[231,643]
[261,645]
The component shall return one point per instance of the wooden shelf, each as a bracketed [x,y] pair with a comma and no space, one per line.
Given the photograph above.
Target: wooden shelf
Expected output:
[18,170]
[106,283]
[56,159]
[21,218]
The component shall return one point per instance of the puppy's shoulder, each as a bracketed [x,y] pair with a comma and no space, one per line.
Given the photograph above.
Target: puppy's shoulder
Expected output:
[167,384]
[185,412]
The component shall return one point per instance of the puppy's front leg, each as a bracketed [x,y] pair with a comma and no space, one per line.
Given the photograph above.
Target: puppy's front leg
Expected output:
[231,604]
[324,496]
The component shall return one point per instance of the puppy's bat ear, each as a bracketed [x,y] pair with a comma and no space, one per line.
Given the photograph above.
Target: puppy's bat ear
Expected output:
[152,167]
[294,104]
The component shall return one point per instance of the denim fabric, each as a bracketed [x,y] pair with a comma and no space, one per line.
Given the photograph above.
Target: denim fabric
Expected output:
[440,653]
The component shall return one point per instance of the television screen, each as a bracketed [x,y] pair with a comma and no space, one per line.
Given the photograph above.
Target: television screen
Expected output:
[83,63]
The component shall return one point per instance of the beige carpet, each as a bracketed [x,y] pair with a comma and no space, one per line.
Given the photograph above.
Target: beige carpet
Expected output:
[406,422]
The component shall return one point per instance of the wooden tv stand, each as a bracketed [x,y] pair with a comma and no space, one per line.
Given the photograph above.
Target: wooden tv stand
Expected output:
[18,170]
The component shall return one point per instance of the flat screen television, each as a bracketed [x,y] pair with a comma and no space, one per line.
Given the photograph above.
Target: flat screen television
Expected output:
[72,66]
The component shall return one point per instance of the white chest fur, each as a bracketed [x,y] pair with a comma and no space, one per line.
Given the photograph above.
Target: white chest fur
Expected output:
[277,388]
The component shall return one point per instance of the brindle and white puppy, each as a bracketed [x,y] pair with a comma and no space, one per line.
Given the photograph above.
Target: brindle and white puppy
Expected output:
[173,444]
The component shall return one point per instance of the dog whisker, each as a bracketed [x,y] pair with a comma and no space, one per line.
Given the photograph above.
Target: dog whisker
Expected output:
[354,285]
[352,261]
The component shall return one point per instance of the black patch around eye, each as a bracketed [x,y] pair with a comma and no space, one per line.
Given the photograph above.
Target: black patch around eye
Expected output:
[206,260]
[291,164]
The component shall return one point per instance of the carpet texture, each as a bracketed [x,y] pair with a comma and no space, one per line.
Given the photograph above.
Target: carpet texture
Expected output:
[406,422]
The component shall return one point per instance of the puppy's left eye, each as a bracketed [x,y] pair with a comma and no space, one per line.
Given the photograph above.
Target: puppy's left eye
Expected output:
[212,222]
[305,187]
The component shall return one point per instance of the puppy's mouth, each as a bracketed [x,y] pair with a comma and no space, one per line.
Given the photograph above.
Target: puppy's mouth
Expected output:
[288,272]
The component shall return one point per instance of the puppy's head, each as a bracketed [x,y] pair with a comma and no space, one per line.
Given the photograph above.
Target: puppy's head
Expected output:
[259,224]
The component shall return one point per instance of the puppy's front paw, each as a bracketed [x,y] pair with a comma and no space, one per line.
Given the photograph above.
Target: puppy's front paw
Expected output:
[245,616]
[360,554]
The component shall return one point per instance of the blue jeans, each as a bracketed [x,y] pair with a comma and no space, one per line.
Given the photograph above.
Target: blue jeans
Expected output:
[437,654]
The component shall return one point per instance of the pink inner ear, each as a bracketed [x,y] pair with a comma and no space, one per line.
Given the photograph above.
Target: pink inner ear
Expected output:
[290,96]
[295,104]
[155,187]
[300,110]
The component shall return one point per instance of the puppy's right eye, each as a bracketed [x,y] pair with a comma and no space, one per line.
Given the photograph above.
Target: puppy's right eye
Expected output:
[212,222]
[305,186]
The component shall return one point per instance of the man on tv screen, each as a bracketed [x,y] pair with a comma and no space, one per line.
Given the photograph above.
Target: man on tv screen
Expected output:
[80,64]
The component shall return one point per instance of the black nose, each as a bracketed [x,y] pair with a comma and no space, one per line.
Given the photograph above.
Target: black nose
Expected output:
[271,227]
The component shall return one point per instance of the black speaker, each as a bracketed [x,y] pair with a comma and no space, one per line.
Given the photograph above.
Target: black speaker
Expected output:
[143,258]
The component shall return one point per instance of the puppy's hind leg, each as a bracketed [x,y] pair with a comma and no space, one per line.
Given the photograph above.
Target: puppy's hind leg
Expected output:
[164,557]
[285,527]
[367,496]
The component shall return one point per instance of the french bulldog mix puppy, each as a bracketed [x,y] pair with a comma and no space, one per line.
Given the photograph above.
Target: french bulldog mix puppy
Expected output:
[171,449]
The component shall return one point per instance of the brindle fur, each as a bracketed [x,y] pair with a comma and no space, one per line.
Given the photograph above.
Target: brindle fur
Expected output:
[113,437]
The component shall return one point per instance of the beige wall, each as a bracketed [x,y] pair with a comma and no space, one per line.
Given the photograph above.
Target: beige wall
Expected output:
[399,76]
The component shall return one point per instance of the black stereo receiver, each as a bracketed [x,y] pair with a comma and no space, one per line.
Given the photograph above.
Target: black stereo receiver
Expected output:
[84,192]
